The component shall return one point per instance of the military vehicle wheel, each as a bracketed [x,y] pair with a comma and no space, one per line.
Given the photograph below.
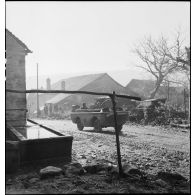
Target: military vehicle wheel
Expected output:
[80,126]
[97,125]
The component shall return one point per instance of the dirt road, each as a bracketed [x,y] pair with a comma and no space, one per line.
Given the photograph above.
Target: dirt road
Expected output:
[150,149]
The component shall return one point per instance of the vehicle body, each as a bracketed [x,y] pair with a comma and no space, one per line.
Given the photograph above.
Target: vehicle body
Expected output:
[146,109]
[99,116]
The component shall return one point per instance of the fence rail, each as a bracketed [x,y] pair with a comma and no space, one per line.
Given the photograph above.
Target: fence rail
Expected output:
[73,92]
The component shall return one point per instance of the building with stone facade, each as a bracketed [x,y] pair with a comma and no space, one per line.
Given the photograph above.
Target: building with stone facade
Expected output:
[16,52]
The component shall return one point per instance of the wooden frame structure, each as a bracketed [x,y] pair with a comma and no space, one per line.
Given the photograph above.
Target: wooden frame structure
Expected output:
[111,95]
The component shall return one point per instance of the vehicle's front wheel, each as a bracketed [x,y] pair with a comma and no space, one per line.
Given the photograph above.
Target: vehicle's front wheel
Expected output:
[80,126]
[97,125]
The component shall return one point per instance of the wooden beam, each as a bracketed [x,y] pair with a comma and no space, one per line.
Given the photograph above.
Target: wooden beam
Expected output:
[51,130]
[18,109]
[72,92]
[117,135]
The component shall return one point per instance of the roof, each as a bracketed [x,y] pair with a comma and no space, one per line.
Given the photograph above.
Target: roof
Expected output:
[83,82]
[102,97]
[93,82]
[57,98]
[19,41]
[73,83]
[154,100]
[136,82]
[149,102]
[77,82]
[142,87]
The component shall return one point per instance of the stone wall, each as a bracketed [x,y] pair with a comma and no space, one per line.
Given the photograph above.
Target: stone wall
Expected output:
[15,79]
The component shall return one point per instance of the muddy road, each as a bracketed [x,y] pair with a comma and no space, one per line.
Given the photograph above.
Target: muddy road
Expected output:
[148,148]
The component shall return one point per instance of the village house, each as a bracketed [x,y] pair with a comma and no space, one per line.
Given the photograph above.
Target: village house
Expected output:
[32,99]
[16,52]
[173,94]
[142,87]
[92,82]
[23,145]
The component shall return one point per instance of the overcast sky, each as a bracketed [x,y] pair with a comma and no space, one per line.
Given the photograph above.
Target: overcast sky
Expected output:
[73,37]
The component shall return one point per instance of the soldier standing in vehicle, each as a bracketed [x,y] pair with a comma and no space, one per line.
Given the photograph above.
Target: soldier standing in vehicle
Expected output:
[84,106]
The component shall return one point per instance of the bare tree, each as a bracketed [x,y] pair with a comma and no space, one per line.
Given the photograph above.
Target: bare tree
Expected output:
[185,67]
[160,58]
[185,62]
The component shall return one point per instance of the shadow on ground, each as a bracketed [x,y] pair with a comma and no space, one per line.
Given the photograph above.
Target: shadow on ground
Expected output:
[109,132]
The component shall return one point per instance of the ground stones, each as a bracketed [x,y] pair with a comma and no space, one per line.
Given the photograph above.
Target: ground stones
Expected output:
[74,168]
[50,171]
[161,183]
[33,180]
[114,171]
[130,170]
[171,177]
[95,168]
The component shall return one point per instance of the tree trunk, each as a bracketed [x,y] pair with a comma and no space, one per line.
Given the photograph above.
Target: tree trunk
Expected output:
[189,111]
[157,86]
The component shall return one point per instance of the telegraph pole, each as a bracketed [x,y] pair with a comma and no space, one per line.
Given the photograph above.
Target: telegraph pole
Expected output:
[37,93]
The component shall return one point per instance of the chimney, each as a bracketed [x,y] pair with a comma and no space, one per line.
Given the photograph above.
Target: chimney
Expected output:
[48,84]
[63,85]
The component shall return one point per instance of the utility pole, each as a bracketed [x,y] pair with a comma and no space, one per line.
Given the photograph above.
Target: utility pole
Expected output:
[37,93]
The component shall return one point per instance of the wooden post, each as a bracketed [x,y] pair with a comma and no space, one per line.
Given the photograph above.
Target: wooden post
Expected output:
[168,91]
[184,99]
[37,93]
[117,134]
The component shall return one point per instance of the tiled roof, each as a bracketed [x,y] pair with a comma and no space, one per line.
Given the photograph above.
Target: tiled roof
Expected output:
[73,83]
[77,82]
[19,41]
[57,98]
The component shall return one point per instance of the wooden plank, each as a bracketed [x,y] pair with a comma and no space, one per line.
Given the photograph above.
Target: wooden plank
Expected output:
[51,130]
[71,92]
[117,135]
[16,109]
